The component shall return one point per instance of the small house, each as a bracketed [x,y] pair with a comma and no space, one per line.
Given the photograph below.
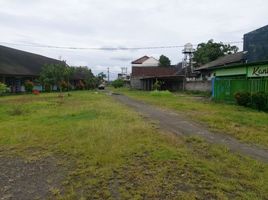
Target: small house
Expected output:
[246,77]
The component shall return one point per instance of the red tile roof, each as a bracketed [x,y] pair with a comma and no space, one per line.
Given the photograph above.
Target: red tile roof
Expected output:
[153,71]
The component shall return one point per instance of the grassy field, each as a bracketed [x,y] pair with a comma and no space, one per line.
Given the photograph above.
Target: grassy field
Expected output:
[245,124]
[106,151]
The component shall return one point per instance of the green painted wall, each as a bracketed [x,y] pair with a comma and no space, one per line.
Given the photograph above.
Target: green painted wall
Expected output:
[231,71]
[258,71]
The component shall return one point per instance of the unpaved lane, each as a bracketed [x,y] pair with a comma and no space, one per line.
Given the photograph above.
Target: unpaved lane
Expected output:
[179,124]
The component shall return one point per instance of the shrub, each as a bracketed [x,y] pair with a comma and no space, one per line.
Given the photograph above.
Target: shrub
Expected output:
[64,85]
[259,100]
[3,88]
[118,83]
[157,85]
[17,110]
[243,98]
[36,92]
[29,86]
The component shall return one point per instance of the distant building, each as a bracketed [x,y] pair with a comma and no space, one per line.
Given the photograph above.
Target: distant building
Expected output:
[256,44]
[146,71]
[145,61]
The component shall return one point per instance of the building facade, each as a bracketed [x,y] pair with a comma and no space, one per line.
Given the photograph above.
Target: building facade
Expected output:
[248,77]
[256,45]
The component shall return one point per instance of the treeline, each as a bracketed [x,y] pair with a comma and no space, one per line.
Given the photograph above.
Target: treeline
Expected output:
[66,77]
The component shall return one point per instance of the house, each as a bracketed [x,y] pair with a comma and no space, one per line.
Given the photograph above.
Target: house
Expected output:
[17,66]
[145,61]
[146,72]
[206,71]
[144,78]
[256,44]
[246,77]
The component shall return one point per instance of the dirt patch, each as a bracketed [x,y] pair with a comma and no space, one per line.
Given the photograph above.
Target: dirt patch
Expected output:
[22,179]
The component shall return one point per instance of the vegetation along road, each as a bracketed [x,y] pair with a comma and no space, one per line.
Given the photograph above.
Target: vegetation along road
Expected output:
[87,145]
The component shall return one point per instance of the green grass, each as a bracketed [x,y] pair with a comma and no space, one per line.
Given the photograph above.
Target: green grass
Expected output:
[110,152]
[245,124]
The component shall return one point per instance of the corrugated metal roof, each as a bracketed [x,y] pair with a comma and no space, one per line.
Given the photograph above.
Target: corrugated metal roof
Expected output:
[17,62]
[224,60]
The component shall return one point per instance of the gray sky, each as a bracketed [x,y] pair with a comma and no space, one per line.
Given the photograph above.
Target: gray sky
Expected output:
[125,23]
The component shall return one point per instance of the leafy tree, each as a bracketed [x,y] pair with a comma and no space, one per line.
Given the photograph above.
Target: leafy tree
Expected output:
[101,76]
[55,74]
[90,81]
[207,52]
[164,61]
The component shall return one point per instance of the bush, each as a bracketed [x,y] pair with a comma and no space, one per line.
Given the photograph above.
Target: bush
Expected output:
[118,83]
[64,85]
[243,98]
[259,100]
[157,85]
[29,85]
[3,88]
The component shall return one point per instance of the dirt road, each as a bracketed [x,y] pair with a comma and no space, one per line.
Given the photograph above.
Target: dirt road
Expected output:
[181,125]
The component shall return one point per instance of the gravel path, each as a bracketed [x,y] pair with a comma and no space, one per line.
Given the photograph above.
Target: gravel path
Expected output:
[181,125]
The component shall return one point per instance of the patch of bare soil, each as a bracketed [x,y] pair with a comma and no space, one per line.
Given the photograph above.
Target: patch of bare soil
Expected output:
[22,179]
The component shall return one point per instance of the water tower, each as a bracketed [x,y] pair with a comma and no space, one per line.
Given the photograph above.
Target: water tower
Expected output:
[188,52]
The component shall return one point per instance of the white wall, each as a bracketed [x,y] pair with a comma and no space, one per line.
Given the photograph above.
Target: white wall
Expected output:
[151,62]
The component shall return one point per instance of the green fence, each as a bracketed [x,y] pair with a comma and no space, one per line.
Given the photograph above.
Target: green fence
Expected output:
[225,88]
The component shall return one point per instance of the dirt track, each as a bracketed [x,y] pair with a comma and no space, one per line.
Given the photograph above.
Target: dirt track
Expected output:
[181,125]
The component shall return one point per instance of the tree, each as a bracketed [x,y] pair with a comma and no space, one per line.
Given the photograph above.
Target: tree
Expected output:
[55,74]
[101,76]
[164,61]
[210,51]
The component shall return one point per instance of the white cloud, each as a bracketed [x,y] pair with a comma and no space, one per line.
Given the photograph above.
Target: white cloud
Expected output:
[125,23]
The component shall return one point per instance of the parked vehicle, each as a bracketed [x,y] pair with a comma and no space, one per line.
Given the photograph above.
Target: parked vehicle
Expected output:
[101,87]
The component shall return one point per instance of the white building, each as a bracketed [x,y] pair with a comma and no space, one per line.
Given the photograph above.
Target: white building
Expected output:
[145,61]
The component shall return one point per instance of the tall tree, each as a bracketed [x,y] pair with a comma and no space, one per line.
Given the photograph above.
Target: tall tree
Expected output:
[207,52]
[164,61]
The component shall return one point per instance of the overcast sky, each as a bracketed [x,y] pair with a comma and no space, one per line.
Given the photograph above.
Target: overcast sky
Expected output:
[124,23]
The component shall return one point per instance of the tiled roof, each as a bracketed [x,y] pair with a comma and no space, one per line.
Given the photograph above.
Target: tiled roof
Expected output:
[153,71]
[224,60]
[140,60]
[17,62]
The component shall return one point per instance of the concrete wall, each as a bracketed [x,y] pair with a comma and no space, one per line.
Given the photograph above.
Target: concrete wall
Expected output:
[136,83]
[203,86]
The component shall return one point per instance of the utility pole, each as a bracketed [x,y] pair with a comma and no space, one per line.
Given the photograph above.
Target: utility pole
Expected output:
[108,72]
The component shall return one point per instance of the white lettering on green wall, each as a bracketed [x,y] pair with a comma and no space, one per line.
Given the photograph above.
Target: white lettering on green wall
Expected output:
[258,71]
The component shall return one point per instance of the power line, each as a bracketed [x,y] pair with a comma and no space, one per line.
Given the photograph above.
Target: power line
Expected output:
[105,48]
